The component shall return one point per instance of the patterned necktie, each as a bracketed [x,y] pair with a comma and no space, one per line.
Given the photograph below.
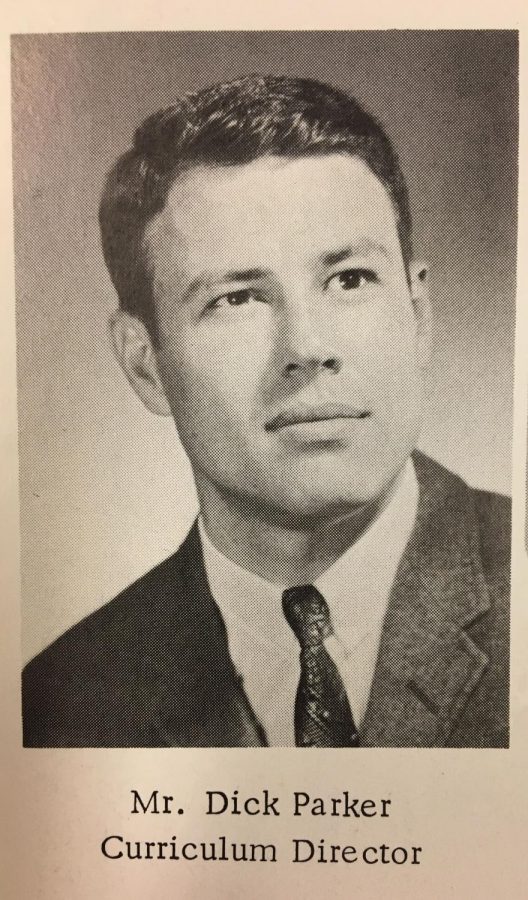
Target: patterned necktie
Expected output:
[323,717]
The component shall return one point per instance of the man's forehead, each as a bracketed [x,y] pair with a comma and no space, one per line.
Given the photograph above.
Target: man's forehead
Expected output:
[308,206]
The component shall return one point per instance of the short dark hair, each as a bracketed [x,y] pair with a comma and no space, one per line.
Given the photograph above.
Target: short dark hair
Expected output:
[228,124]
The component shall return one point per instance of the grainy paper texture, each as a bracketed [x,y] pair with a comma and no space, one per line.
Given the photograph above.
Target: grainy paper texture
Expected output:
[91,520]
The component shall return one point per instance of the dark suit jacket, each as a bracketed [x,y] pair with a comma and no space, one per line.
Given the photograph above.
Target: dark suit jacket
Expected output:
[152,668]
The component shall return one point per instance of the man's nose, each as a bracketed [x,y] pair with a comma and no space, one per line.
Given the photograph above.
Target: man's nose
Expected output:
[305,343]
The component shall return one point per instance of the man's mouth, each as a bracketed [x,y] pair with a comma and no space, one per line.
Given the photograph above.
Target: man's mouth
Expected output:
[304,414]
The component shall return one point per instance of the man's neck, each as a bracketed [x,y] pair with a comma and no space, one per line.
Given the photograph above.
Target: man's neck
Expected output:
[281,553]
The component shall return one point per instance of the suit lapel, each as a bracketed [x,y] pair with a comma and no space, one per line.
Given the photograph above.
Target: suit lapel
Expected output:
[428,665]
[200,701]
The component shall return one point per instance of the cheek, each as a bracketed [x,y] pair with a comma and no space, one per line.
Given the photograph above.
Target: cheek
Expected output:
[385,349]
[211,380]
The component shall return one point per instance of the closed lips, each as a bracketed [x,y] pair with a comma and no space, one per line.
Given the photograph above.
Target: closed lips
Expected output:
[297,415]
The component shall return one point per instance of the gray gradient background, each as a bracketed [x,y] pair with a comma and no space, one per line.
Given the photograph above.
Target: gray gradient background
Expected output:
[106,491]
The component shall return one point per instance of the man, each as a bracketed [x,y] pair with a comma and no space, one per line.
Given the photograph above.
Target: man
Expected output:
[338,589]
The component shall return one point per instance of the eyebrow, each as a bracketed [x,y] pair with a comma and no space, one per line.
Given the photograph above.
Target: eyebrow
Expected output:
[208,278]
[363,247]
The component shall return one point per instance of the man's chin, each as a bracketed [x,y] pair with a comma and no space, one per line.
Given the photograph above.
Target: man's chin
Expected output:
[308,496]
[315,510]
[314,502]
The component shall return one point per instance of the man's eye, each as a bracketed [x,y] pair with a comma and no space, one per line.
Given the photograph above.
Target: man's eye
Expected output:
[352,279]
[233,298]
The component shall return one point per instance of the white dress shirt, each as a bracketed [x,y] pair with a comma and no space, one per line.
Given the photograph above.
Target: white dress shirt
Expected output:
[264,649]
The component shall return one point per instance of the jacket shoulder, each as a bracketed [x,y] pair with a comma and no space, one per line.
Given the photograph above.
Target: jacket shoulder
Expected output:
[493,531]
[487,512]
[91,671]
[493,513]
[117,620]
[485,520]
[478,524]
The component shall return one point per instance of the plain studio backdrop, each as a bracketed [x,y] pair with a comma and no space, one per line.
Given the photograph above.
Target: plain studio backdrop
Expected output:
[106,491]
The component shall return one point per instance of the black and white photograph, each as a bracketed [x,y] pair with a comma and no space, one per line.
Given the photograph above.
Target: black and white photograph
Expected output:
[265,296]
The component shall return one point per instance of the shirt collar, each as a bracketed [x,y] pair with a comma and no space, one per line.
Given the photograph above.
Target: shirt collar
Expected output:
[356,587]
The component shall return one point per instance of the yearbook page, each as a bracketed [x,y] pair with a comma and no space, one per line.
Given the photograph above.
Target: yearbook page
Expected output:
[265,455]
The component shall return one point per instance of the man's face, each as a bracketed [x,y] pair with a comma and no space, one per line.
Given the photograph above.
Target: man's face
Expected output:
[290,346]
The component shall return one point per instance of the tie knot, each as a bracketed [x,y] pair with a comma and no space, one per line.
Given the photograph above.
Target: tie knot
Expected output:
[307,614]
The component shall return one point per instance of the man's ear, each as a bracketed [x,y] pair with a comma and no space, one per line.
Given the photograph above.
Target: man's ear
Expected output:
[419,287]
[135,354]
